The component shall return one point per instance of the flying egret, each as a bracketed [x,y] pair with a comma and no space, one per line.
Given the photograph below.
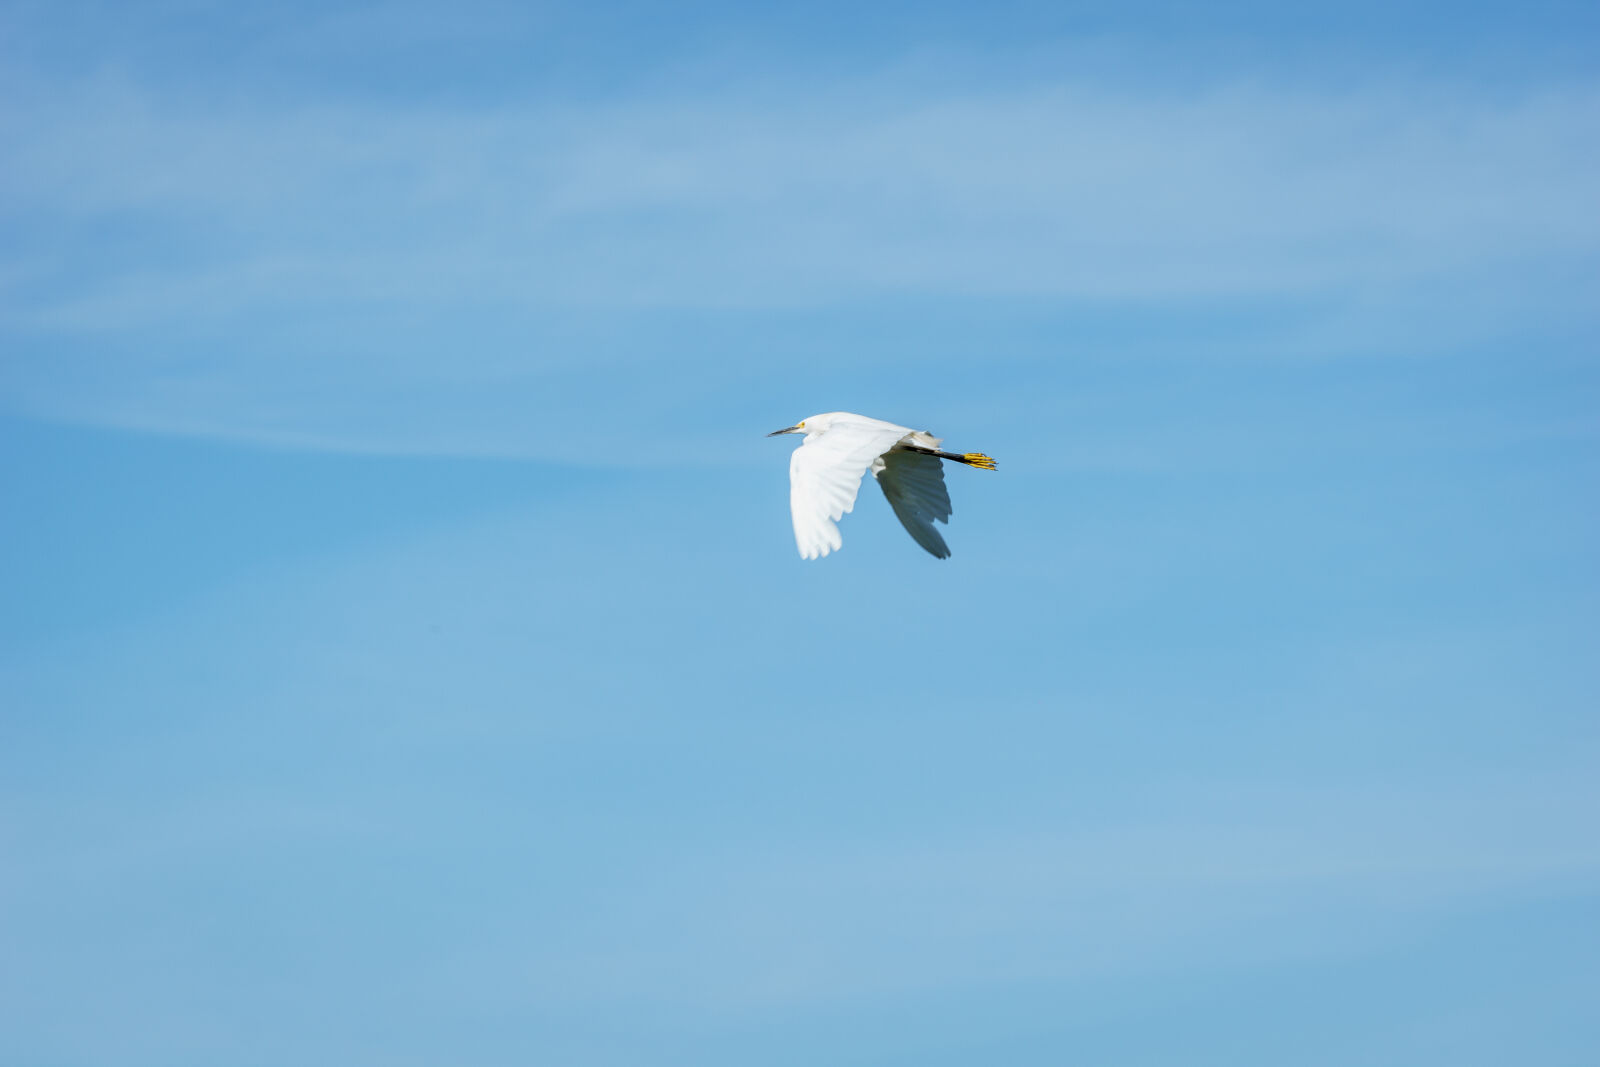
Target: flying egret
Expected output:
[825,475]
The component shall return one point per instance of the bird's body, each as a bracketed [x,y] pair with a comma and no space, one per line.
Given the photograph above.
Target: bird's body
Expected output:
[825,475]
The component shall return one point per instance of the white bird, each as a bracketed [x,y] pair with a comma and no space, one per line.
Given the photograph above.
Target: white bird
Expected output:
[825,475]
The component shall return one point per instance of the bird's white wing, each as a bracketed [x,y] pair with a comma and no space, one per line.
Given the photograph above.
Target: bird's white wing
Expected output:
[914,484]
[824,477]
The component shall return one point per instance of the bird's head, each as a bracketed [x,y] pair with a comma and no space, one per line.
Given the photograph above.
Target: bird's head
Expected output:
[815,424]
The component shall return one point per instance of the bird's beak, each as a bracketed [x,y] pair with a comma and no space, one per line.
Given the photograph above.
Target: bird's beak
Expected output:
[791,429]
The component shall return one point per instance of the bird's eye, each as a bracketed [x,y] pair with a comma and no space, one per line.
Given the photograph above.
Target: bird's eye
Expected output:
[802,425]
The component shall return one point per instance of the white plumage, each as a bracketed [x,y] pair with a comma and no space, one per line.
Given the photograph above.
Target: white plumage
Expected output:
[825,476]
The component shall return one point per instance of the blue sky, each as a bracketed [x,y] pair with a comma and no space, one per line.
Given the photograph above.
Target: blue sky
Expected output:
[406,659]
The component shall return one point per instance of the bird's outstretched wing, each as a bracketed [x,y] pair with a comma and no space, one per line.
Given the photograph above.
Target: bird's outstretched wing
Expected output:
[914,484]
[824,477]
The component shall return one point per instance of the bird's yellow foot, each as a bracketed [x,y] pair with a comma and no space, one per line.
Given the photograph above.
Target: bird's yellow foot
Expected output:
[977,459]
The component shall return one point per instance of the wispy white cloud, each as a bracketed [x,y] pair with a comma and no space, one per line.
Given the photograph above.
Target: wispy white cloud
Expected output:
[1059,190]
[317,242]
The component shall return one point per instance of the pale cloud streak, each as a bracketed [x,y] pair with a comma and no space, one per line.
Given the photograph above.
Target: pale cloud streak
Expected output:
[241,248]
[1057,190]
